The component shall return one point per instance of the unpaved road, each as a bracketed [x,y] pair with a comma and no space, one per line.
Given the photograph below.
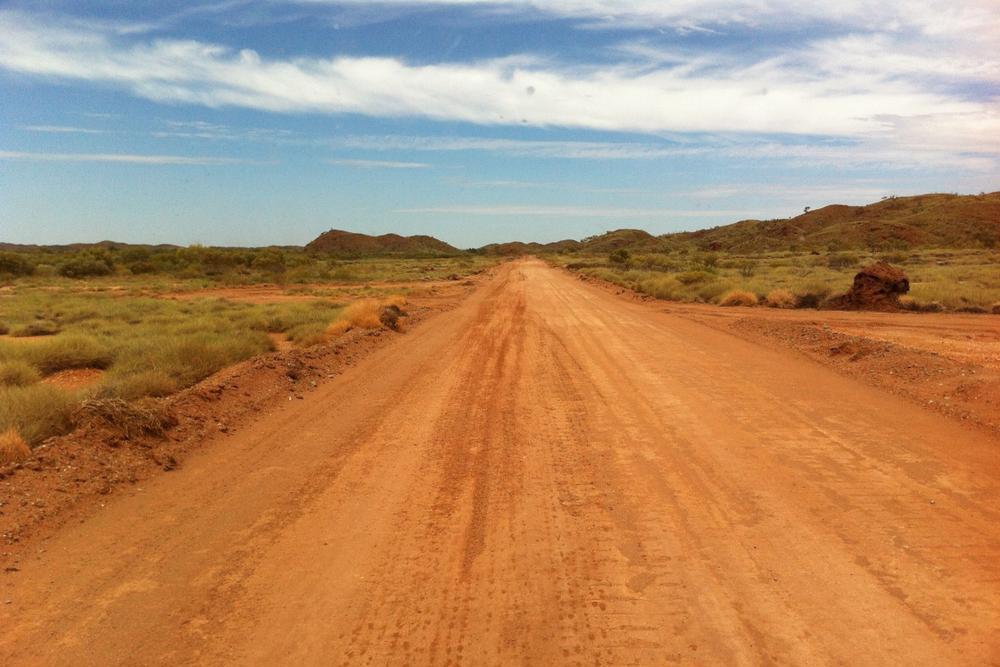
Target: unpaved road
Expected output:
[546,475]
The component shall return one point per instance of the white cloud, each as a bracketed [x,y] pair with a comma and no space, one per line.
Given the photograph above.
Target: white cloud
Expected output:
[771,96]
[125,158]
[379,164]
[881,91]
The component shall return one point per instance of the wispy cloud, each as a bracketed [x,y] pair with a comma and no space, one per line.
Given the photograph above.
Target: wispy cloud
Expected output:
[583,150]
[198,129]
[845,153]
[572,211]
[61,129]
[124,158]
[931,17]
[379,164]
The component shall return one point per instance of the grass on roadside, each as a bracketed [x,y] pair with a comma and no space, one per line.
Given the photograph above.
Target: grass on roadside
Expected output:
[953,279]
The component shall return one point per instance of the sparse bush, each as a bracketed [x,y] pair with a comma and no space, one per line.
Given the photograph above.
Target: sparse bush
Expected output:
[88,264]
[895,257]
[13,448]
[747,268]
[269,260]
[662,287]
[780,298]
[738,298]
[141,267]
[620,257]
[692,277]
[710,292]
[17,373]
[841,260]
[809,300]
[13,264]
[4,329]
[709,260]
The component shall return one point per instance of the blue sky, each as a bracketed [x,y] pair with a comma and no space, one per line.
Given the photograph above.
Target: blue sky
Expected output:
[251,123]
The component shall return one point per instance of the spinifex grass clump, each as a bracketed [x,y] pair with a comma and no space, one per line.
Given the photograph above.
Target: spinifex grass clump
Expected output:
[36,411]
[13,448]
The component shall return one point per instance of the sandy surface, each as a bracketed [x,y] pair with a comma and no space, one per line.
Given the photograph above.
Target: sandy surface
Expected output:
[962,337]
[546,475]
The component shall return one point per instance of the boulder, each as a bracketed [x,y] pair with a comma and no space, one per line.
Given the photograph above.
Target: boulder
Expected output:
[877,286]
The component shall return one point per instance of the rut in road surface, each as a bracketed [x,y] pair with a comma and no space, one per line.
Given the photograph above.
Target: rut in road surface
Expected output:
[547,475]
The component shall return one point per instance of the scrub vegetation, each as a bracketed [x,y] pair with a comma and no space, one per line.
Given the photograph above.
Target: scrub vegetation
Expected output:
[146,321]
[949,280]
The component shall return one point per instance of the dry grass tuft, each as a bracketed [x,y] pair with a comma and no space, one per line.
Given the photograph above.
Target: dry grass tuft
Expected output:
[13,448]
[363,314]
[131,419]
[995,309]
[780,298]
[397,300]
[338,328]
[35,329]
[738,298]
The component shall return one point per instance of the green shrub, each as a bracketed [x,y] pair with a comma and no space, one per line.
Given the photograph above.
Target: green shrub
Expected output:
[619,257]
[13,264]
[84,267]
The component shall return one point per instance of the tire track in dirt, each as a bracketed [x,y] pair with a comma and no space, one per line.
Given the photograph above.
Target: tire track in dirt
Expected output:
[546,475]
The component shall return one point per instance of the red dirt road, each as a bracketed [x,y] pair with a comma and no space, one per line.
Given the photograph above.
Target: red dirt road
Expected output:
[546,475]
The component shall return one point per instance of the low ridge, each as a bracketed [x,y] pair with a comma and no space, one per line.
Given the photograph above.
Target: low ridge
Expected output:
[351,244]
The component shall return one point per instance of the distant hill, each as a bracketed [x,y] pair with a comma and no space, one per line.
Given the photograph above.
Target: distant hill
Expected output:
[520,248]
[635,239]
[928,221]
[74,247]
[350,244]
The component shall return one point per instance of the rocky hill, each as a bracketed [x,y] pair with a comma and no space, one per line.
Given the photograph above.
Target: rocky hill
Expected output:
[923,221]
[350,244]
